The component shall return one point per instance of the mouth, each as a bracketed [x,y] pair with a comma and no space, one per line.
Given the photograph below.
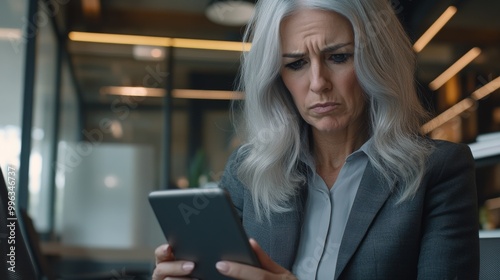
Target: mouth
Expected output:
[322,108]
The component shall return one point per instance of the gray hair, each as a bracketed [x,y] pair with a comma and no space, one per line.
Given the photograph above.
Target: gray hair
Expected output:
[274,132]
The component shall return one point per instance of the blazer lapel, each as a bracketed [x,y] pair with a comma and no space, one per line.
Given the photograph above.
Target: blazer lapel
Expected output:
[285,231]
[371,195]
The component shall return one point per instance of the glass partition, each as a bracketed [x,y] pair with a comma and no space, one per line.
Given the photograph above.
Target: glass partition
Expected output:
[69,126]
[42,133]
[12,51]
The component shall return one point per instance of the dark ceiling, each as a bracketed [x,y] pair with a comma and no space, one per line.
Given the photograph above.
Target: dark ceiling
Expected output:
[476,24]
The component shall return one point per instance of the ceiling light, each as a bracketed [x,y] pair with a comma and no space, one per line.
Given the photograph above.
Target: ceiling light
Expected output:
[10,33]
[434,29]
[455,68]
[133,91]
[447,115]
[461,106]
[230,12]
[149,53]
[486,89]
[206,94]
[210,44]
[106,38]
[176,93]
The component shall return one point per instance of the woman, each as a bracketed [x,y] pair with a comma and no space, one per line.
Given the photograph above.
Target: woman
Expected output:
[334,180]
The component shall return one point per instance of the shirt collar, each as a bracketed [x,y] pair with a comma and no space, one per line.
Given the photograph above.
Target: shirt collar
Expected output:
[364,149]
[308,159]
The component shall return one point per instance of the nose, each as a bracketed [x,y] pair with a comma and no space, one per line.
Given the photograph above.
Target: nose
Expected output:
[319,79]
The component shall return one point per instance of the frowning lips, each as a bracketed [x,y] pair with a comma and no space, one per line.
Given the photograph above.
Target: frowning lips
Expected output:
[321,108]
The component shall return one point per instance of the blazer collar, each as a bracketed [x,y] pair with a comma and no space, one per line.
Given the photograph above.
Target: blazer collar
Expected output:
[371,196]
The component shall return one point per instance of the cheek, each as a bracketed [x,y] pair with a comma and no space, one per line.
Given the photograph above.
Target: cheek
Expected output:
[359,93]
[354,93]
[295,86]
[352,86]
[291,81]
[359,100]
[350,79]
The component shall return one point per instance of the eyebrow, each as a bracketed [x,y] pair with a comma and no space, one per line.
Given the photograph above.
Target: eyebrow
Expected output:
[327,49]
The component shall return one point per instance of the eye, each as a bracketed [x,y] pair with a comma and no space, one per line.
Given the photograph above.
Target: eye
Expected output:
[340,58]
[296,65]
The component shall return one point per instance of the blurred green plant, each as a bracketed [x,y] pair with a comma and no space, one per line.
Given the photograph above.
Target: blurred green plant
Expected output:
[197,169]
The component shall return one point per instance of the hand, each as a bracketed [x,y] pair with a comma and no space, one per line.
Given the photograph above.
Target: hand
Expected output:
[270,270]
[167,267]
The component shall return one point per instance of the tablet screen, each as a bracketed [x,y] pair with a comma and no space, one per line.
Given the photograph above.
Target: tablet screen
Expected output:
[202,226]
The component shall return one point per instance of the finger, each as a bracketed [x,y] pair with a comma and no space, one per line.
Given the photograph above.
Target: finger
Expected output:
[247,272]
[172,269]
[163,253]
[241,271]
[265,261]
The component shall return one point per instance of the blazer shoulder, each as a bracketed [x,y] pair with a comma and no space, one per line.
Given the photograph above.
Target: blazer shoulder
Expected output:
[450,159]
[445,151]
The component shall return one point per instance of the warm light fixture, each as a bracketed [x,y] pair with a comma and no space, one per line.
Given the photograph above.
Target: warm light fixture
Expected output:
[120,39]
[10,33]
[133,91]
[149,52]
[434,29]
[486,89]
[455,68]
[447,115]
[176,93]
[107,38]
[206,94]
[230,12]
[461,106]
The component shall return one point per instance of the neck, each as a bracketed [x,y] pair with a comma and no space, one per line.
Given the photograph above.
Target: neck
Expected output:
[330,150]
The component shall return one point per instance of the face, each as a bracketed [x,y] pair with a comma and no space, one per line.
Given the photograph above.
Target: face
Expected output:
[318,70]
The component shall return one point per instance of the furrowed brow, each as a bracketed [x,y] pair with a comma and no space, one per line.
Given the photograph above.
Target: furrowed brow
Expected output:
[293,55]
[335,47]
[327,49]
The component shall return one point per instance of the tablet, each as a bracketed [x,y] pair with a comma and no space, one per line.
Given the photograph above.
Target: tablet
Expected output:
[202,226]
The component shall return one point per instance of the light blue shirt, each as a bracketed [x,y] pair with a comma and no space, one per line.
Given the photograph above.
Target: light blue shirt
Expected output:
[325,217]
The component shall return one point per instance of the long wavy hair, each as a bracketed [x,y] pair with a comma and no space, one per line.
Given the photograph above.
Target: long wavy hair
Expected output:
[276,137]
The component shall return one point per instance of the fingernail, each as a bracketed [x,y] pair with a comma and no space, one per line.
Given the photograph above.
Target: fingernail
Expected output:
[187,266]
[222,266]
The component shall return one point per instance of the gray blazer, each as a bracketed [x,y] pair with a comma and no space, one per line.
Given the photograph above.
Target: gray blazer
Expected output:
[433,236]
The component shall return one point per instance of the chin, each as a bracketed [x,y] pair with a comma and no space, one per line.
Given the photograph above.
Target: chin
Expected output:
[329,128]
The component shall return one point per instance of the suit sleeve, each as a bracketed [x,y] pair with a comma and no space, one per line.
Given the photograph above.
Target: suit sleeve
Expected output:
[450,242]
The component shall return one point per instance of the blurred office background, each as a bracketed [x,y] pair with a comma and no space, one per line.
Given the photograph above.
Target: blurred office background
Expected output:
[92,123]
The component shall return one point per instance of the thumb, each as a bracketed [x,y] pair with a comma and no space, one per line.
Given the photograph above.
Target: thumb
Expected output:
[164,253]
